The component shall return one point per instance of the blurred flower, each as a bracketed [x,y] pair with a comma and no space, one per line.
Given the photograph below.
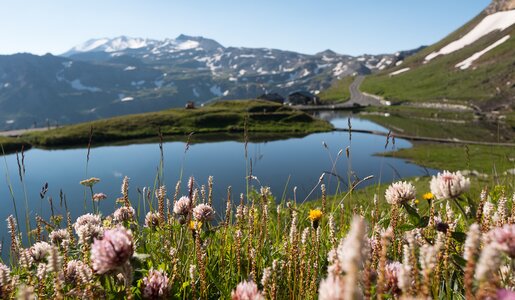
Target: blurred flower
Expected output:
[195,225]
[182,206]
[428,196]
[5,276]
[400,192]
[99,197]
[40,250]
[246,290]
[123,214]
[203,213]
[331,288]
[112,251]
[90,182]
[505,238]
[152,220]
[392,273]
[58,236]
[504,294]
[315,214]
[78,272]
[88,227]
[155,285]
[448,185]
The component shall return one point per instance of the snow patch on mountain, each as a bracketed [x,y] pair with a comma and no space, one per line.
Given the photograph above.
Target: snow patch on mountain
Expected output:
[399,71]
[187,45]
[497,21]
[77,85]
[468,62]
[216,90]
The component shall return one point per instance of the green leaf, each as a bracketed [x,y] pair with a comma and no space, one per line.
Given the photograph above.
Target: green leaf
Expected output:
[406,227]
[424,221]
[459,236]
[459,260]
[414,217]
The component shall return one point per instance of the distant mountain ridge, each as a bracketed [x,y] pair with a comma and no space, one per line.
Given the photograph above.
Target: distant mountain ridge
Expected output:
[114,76]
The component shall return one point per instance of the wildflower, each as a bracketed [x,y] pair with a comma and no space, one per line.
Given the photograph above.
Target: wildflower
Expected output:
[472,242]
[400,192]
[88,227]
[488,262]
[5,276]
[449,185]
[195,225]
[428,196]
[58,236]
[416,201]
[392,273]
[78,272]
[331,288]
[155,285]
[505,238]
[112,251]
[182,206]
[505,294]
[40,250]
[315,215]
[246,290]
[152,220]
[99,197]
[90,182]
[123,214]
[203,213]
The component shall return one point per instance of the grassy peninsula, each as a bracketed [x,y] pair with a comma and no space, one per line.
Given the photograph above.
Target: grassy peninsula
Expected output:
[221,117]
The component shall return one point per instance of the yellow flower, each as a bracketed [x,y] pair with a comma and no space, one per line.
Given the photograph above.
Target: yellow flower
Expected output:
[416,201]
[428,196]
[195,225]
[315,215]
[90,182]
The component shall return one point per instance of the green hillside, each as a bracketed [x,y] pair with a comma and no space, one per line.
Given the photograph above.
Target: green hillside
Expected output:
[489,82]
[221,117]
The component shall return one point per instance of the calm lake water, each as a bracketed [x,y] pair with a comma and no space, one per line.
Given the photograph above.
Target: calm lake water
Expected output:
[281,164]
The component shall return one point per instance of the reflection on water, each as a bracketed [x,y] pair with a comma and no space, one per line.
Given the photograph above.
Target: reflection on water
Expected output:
[280,164]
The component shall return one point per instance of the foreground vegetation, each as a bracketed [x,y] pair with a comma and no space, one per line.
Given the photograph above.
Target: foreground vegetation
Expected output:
[397,241]
[257,116]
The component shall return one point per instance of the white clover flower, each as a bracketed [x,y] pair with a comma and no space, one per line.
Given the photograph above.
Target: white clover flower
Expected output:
[449,185]
[400,192]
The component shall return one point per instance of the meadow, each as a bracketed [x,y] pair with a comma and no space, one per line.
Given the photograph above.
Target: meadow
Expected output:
[448,236]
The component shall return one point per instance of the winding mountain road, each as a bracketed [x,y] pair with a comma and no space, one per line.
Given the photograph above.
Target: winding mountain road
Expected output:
[357,99]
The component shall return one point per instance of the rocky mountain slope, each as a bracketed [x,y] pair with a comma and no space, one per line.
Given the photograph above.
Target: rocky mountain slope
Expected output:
[115,76]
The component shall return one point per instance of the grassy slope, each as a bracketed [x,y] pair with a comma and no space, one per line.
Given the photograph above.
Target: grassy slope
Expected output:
[485,159]
[439,79]
[12,144]
[338,92]
[229,116]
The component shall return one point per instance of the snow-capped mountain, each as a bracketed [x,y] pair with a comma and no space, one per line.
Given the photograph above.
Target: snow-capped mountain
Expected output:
[114,76]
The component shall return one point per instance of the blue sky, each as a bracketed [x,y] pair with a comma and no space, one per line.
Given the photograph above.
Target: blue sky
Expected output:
[307,26]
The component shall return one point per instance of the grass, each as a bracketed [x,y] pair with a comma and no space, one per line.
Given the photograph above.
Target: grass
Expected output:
[281,247]
[222,117]
[10,144]
[426,122]
[338,92]
[488,79]
[484,159]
